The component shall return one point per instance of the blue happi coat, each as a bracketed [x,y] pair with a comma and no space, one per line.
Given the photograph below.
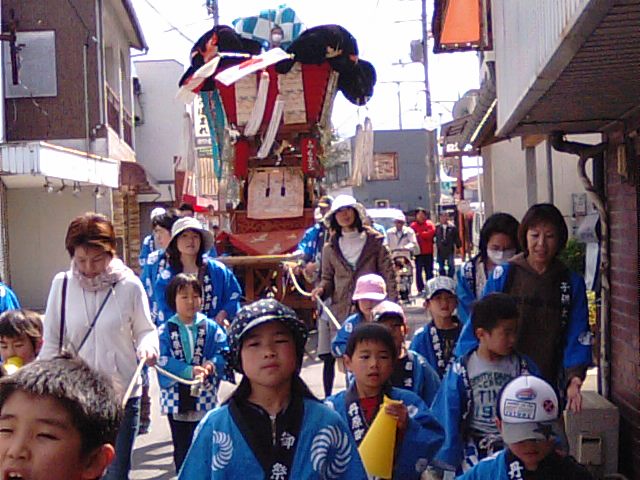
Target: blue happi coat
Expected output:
[339,343]
[221,288]
[466,290]
[324,449]
[312,242]
[421,440]
[492,468]
[426,342]
[8,299]
[577,343]
[178,358]
[148,246]
[453,405]
[424,379]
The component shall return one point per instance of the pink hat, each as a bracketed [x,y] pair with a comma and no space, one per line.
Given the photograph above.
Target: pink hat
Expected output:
[370,287]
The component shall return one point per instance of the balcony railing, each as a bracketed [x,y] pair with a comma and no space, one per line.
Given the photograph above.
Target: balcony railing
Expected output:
[118,117]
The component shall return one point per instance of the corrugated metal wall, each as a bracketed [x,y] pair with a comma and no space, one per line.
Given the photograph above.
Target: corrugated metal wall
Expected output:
[526,34]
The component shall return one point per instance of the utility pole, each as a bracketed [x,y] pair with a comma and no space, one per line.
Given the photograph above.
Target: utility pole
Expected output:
[212,8]
[433,169]
[425,56]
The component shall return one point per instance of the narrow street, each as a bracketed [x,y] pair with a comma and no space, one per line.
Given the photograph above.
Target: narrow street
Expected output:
[152,458]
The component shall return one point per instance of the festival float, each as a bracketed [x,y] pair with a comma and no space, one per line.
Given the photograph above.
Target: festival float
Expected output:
[268,87]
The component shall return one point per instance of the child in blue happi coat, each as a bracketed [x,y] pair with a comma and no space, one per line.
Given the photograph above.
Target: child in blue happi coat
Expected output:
[527,418]
[191,347]
[370,290]
[436,340]
[272,426]
[370,356]
[411,371]
[466,400]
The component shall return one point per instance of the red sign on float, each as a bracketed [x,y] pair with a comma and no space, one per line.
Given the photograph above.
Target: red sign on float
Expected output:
[309,149]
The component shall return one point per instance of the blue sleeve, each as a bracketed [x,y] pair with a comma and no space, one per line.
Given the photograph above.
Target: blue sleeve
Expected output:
[230,292]
[339,343]
[448,407]
[466,296]
[144,251]
[168,362]
[495,283]
[197,463]
[159,288]
[488,469]
[216,349]
[417,342]
[577,350]
[430,382]
[308,243]
[9,299]
[424,434]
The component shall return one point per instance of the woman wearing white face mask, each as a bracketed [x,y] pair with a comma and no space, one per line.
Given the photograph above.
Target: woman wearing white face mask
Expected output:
[498,243]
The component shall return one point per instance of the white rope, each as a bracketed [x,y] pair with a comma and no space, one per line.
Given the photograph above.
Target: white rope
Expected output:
[132,383]
[274,124]
[255,120]
[304,293]
[134,380]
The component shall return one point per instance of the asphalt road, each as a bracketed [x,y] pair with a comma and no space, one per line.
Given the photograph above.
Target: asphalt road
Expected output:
[152,457]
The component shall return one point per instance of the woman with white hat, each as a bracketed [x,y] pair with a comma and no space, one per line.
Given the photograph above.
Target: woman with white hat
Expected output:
[353,250]
[186,253]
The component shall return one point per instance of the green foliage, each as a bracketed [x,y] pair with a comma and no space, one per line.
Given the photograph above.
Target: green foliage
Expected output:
[573,255]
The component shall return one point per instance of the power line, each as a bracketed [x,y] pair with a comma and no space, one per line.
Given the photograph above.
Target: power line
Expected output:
[173,27]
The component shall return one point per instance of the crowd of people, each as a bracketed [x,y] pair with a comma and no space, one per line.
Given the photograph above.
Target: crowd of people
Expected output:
[503,350]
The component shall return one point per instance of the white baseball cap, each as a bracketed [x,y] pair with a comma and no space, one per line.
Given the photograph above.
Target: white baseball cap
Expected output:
[528,408]
[157,212]
[438,284]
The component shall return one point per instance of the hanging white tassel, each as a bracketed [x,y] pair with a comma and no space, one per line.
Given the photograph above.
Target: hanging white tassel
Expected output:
[255,120]
[272,130]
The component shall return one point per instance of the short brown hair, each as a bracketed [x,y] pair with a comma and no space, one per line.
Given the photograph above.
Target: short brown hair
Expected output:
[15,323]
[543,213]
[91,230]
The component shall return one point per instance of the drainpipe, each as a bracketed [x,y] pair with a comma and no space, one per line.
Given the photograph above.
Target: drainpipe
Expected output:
[585,152]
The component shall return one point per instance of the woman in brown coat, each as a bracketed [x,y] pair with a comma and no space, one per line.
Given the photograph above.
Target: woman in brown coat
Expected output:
[353,250]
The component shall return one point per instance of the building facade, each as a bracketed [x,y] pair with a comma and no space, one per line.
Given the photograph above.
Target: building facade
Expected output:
[67,137]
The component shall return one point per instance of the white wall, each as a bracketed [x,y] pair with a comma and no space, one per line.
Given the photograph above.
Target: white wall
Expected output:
[505,177]
[37,224]
[161,136]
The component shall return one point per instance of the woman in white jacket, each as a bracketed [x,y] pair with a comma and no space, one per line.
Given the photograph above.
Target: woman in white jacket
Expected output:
[99,311]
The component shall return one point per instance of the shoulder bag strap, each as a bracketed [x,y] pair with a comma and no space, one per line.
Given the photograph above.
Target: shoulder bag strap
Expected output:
[95,319]
[63,305]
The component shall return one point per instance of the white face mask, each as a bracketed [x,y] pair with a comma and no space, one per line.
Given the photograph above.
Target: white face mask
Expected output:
[500,257]
[276,37]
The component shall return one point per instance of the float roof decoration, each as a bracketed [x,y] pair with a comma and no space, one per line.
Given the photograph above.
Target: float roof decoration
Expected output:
[259,28]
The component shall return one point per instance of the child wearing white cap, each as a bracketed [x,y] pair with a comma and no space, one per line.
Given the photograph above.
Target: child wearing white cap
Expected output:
[527,418]
[436,340]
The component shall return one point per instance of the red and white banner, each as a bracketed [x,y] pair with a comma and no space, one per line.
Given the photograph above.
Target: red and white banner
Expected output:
[254,64]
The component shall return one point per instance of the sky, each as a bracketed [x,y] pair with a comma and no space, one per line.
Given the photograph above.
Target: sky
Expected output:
[383,29]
